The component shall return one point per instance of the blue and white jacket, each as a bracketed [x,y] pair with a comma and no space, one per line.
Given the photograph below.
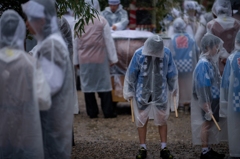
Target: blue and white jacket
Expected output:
[149,78]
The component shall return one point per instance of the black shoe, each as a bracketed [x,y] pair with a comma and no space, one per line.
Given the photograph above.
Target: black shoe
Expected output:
[220,156]
[142,153]
[165,154]
[209,155]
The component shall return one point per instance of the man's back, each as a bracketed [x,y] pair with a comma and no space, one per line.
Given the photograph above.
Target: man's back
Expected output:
[91,44]
[225,29]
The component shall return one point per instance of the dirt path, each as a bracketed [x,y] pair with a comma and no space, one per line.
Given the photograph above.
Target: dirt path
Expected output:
[117,138]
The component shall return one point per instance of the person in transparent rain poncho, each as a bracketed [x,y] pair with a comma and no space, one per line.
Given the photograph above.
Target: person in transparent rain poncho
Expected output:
[230,99]
[150,76]
[190,10]
[23,92]
[116,16]
[94,52]
[205,100]
[202,28]
[225,27]
[185,54]
[52,53]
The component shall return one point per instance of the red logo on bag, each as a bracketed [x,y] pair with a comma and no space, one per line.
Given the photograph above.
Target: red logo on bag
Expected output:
[182,42]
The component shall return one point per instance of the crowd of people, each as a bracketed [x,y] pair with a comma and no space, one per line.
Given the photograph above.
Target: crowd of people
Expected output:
[199,69]
[197,72]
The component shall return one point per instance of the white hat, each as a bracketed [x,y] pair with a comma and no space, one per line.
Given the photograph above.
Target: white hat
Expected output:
[113,2]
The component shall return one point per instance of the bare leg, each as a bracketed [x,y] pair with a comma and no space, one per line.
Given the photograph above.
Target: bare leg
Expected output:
[204,133]
[142,132]
[163,133]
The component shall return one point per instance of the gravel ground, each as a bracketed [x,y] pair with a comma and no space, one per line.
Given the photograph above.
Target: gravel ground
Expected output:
[117,138]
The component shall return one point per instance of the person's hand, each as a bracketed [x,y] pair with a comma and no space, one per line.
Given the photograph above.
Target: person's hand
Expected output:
[208,111]
[129,99]
[114,27]
[208,115]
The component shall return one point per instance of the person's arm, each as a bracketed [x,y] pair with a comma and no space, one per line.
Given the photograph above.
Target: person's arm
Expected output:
[53,75]
[53,63]
[172,75]
[42,89]
[110,46]
[131,77]
[202,85]
[75,53]
[67,34]
[122,24]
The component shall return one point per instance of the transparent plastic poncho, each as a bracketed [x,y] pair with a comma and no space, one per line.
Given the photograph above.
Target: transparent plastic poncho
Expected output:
[230,95]
[119,18]
[185,54]
[202,28]
[23,91]
[224,26]
[52,53]
[190,9]
[94,52]
[206,93]
[66,34]
[68,39]
[147,82]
